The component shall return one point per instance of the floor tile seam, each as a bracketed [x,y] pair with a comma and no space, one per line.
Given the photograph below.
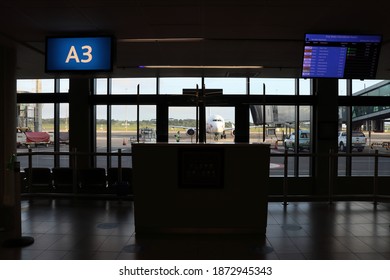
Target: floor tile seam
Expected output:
[278,254]
[72,243]
[307,256]
[103,242]
[347,249]
[46,250]
[373,247]
[360,256]
[59,236]
[290,240]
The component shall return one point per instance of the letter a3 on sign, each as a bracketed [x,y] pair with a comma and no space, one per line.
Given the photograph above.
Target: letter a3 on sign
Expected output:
[73,55]
[66,54]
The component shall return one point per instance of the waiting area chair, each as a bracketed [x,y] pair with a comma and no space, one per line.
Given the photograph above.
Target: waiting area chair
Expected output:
[92,180]
[63,179]
[120,184]
[38,179]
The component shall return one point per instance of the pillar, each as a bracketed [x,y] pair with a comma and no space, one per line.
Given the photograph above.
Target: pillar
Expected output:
[81,131]
[7,122]
[326,128]
[162,122]
[241,123]
[10,209]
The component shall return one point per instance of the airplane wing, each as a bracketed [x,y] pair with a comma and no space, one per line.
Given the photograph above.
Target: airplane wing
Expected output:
[230,128]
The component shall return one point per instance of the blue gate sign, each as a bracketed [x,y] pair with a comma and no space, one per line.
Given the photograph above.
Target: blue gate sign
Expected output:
[79,54]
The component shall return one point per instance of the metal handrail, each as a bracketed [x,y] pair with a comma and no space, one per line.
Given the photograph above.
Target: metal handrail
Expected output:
[332,156]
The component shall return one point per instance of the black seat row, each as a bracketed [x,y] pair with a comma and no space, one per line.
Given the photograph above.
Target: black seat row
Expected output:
[89,180]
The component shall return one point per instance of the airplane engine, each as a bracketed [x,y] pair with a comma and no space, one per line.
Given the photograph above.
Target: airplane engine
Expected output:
[190,132]
[233,132]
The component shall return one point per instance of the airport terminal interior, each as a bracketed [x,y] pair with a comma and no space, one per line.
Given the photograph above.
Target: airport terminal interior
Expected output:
[194,130]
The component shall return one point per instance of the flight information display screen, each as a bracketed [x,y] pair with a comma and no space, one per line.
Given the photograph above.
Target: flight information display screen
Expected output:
[341,56]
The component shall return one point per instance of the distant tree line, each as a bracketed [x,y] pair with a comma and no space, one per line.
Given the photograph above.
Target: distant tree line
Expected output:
[143,123]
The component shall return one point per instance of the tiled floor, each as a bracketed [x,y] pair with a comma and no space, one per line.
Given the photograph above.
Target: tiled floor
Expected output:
[90,229]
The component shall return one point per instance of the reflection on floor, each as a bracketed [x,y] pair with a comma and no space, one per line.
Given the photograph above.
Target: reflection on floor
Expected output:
[90,229]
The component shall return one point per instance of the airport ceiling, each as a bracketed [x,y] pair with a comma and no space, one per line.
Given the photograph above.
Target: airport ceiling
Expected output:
[233,32]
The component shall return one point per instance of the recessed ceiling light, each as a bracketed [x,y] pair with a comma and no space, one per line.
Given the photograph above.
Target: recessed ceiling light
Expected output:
[201,66]
[160,40]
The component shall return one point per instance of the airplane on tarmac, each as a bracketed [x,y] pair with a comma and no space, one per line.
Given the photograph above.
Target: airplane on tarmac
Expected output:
[215,125]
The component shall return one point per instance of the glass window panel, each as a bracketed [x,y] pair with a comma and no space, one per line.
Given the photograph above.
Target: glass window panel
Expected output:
[182,124]
[123,125]
[147,123]
[283,121]
[220,124]
[378,89]
[101,86]
[35,86]
[305,141]
[129,85]
[272,86]
[64,85]
[369,126]
[278,120]
[368,133]
[384,161]
[101,135]
[228,85]
[64,134]
[256,123]
[360,85]
[342,87]
[363,166]
[124,129]
[342,161]
[304,86]
[176,85]
[35,131]
[273,131]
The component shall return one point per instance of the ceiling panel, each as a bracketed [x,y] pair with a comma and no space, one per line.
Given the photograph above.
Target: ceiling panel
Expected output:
[262,32]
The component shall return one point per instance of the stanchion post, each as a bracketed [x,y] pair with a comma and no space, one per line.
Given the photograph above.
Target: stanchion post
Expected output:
[18,212]
[29,181]
[138,113]
[375,187]
[285,178]
[17,239]
[119,165]
[331,175]
[74,169]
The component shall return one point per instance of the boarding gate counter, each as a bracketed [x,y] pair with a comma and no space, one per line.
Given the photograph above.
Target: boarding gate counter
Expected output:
[200,188]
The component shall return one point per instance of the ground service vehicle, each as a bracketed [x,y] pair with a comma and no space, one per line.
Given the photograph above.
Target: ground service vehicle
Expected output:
[28,138]
[358,140]
[303,140]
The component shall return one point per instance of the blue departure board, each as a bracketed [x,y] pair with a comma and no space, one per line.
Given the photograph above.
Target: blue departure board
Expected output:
[341,56]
